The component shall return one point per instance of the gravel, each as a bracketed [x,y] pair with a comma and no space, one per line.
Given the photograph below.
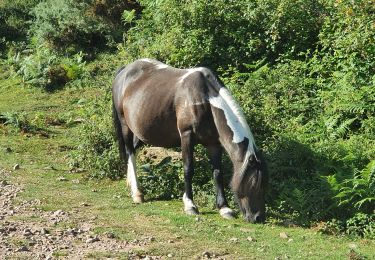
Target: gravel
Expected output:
[28,232]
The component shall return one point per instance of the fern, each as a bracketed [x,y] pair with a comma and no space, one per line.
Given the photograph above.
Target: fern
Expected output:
[359,190]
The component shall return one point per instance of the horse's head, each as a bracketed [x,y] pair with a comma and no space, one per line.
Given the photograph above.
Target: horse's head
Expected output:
[249,188]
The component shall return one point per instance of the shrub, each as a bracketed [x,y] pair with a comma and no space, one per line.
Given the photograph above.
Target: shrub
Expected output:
[14,21]
[42,67]
[163,180]
[222,34]
[97,151]
[67,25]
[70,26]
[21,123]
[362,225]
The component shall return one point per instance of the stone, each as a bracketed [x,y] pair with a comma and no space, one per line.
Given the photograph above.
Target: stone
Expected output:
[16,166]
[61,178]
[22,249]
[284,235]
[206,254]
[251,239]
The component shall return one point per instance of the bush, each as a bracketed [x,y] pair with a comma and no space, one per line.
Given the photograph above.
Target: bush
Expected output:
[71,26]
[42,67]
[362,225]
[97,151]
[14,21]
[66,25]
[222,34]
[163,180]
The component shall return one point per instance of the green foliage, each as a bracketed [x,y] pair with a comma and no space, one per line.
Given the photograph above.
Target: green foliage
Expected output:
[21,123]
[44,68]
[14,21]
[163,180]
[357,191]
[66,24]
[186,33]
[70,26]
[362,225]
[303,72]
[97,151]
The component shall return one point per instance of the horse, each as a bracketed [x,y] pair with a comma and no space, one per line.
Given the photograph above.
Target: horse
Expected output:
[159,105]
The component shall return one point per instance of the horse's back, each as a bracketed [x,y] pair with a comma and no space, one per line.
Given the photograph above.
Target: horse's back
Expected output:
[158,101]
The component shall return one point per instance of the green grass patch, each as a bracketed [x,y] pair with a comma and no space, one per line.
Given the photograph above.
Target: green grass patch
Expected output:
[42,163]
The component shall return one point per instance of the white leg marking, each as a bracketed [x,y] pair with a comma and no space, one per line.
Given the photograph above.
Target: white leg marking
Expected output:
[132,178]
[188,203]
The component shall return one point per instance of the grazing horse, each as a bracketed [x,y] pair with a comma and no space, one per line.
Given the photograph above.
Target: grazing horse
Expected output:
[167,107]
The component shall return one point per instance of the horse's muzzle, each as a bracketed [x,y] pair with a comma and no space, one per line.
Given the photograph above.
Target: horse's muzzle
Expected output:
[255,218]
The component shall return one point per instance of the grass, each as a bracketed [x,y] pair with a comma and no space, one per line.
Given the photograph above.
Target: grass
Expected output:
[42,162]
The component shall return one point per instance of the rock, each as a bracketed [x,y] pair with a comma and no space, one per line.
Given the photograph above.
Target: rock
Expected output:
[16,166]
[251,239]
[61,178]
[170,241]
[206,254]
[110,235]
[50,168]
[22,249]
[44,231]
[75,181]
[27,232]
[92,240]
[234,239]
[84,204]
[170,255]
[284,235]
[71,232]
[58,213]
[12,229]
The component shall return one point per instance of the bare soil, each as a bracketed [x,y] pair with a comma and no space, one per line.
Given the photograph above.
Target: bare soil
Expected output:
[29,232]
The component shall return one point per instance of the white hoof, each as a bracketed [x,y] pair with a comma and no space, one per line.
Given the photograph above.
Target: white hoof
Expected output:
[226,213]
[138,198]
[192,211]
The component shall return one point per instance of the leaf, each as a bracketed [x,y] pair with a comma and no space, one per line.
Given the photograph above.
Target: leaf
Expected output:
[128,16]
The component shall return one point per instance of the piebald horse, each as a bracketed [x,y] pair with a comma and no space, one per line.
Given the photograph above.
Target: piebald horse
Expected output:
[163,106]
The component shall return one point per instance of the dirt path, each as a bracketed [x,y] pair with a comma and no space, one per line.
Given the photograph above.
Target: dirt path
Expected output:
[28,232]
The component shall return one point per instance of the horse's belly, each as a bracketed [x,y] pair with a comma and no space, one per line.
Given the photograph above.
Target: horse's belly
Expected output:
[158,133]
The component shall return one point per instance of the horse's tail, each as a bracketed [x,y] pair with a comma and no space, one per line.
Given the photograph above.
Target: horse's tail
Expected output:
[118,131]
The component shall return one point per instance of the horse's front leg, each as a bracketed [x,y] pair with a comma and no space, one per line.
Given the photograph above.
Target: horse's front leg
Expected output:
[187,148]
[215,153]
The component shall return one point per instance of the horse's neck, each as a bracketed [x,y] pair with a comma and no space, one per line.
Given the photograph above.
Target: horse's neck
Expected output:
[236,149]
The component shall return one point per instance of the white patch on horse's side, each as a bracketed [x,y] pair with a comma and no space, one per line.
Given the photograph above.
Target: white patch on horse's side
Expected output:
[188,73]
[188,203]
[162,66]
[235,117]
[148,60]
[158,64]
[132,176]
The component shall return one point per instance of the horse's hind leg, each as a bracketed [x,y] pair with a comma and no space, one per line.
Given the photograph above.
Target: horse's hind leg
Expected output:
[187,148]
[131,171]
[215,153]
